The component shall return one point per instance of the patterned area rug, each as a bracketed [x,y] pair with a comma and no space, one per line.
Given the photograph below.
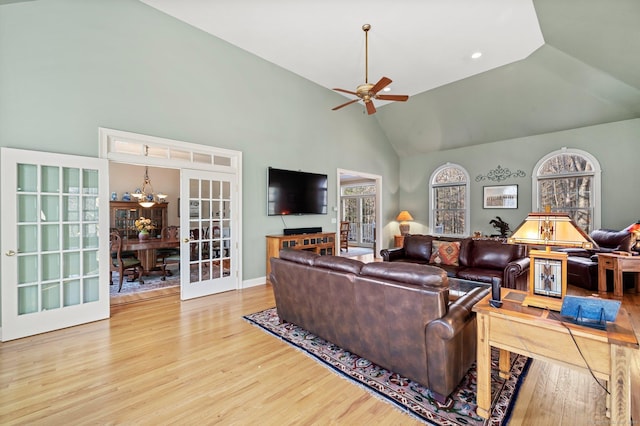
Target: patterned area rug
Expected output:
[403,393]
[152,282]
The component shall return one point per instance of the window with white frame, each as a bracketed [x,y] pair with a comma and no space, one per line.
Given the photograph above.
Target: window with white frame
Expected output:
[568,181]
[449,191]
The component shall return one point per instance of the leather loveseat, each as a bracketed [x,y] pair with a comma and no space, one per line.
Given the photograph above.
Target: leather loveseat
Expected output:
[468,258]
[582,264]
[396,315]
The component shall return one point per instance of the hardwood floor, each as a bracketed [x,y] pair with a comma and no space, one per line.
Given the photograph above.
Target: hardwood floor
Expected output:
[163,361]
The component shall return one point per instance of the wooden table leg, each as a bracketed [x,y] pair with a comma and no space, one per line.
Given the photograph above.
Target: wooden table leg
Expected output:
[618,289]
[602,277]
[505,363]
[620,385]
[483,364]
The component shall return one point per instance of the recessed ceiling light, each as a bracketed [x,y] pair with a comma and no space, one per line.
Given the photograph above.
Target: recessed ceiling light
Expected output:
[386,89]
[476,55]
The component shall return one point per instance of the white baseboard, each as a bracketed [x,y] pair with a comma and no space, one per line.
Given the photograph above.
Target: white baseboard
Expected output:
[254,282]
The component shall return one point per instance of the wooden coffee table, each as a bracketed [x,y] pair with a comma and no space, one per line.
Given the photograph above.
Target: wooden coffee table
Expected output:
[540,334]
[618,264]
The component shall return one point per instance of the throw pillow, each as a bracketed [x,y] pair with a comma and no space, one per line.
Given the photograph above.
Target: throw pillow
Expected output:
[445,252]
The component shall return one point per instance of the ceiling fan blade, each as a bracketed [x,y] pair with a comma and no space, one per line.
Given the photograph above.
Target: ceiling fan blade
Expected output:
[345,104]
[346,91]
[384,82]
[400,98]
[371,109]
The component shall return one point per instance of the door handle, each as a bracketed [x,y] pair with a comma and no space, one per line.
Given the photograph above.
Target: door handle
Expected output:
[10,253]
[186,240]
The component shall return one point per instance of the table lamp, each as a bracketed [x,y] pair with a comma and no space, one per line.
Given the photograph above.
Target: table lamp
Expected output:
[403,217]
[548,269]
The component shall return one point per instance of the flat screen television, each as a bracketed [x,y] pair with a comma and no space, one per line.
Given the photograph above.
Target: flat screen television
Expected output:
[296,192]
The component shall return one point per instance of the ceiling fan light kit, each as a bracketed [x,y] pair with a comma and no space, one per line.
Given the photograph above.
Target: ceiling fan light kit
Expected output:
[367,92]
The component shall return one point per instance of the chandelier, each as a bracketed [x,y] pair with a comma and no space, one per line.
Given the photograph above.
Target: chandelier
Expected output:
[146,196]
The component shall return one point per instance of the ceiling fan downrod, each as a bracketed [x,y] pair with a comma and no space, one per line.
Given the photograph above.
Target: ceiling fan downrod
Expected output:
[366,28]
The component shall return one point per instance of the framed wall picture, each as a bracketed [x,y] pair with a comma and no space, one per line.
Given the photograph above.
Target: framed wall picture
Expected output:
[500,197]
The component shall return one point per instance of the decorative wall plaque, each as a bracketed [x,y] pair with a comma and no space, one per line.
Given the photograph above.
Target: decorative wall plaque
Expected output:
[499,174]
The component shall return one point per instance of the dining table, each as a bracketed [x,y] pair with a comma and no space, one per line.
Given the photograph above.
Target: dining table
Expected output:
[146,249]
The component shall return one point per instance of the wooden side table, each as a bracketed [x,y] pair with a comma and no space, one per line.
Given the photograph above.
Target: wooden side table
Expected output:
[398,240]
[540,334]
[618,264]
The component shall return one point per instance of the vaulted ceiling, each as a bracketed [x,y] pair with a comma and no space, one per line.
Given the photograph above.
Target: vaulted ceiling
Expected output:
[547,65]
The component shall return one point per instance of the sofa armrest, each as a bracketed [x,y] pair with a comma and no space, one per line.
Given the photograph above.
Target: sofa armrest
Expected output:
[516,274]
[451,344]
[460,312]
[389,255]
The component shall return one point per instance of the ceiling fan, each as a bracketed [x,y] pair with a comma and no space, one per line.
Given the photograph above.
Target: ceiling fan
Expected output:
[368,92]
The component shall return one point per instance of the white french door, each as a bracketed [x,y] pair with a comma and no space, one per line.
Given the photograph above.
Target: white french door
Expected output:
[207,228]
[54,209]
[360,212]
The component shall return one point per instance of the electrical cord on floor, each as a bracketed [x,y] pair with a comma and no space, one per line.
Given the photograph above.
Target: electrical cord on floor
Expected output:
[559,319]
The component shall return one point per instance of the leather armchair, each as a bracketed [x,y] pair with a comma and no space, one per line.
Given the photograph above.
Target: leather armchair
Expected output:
[582,264]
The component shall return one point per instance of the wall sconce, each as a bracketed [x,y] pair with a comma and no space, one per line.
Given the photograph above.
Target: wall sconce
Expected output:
[403,217]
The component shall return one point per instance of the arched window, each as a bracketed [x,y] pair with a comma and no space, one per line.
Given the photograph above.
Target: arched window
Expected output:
[568,181]
[449,191]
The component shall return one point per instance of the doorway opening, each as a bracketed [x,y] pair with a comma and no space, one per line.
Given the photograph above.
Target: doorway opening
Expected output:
[202,197]
[359,204]
[124,180]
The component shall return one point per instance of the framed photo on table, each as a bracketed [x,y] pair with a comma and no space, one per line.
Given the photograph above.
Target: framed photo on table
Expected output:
[500,197]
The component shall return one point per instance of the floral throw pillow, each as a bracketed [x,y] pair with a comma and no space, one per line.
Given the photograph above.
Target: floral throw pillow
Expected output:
[445,253]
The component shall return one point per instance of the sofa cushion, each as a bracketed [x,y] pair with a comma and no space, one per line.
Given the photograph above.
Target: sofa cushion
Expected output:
[609,240]
[299,256]
[417,247]
[337,263]
[445,252]
[410,273]
[491,254]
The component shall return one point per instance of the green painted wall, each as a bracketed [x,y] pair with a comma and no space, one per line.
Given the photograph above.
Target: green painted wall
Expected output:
[68,67]
[615,145]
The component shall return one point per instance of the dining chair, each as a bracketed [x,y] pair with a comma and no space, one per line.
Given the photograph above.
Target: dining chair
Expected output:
[122,264]
[168,256]
[124,253]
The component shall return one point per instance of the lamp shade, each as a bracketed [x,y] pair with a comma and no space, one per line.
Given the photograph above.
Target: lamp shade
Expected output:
[551,229]
[403,216]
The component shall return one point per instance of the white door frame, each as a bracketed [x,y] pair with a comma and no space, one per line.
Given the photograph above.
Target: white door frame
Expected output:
[134,148]
[378,183]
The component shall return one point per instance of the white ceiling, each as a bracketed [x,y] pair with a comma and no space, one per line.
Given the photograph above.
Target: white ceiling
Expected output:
[419,44]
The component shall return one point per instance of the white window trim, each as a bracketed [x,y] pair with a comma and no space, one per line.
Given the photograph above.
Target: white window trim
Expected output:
[597,172]
[467,214]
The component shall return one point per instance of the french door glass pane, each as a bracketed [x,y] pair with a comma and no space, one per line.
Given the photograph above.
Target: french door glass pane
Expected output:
[27,178]
[50,179]
[57,232]
[210,229]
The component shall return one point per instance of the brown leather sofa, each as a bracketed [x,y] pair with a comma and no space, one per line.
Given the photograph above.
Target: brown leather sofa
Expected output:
[478,260]
[582,264]
[396,315]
